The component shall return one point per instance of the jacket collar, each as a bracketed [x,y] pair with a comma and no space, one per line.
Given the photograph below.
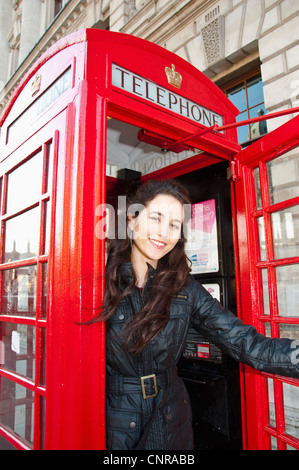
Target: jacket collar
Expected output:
[126,272]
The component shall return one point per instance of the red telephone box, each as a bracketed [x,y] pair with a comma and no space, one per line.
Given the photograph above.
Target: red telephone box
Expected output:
[91,95]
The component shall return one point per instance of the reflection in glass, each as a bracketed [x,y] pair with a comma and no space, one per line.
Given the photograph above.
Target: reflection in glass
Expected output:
[262,238]
[287,278]
[19,343]
[255,91]
[42,421]
[43,358]
[44,292]
[22,236]
[267,327]
[25,184]
[265,292]
[272,417]
[242,130]
[19,291]
[283,177]
[256,111]
[49,168]
[257,183]
[257,129]
[285,227]
[124,148]
[291,409]
[289,331]
[273,443]
[237,96]
[248,97]
[47,218]
[17,408]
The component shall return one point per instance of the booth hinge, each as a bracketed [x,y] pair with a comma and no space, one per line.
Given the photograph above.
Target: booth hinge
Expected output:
[233,171]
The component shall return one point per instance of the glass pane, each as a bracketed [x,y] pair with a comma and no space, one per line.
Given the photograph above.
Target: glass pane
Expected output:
[291,409]
[19,292]
[43,358]
[243,131]
[273,443]
[267,327]
[256,111]
[22,236]
[44,292]
[287,278]
[289,331]
[258,129]
[265,292]
[17,407]
[237,96]
[272,418]
[255,91]
[19,342]
[49,168]
[47,218]
[257,183]
[285,226]
[126,149]
[25,184]
[262,238]
[42,422]
[283,176]
[290,448]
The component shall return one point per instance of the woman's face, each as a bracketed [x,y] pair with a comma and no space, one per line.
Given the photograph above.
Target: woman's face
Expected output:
[157,228]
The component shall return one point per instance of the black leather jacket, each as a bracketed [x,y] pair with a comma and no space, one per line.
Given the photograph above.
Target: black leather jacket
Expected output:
[164,421]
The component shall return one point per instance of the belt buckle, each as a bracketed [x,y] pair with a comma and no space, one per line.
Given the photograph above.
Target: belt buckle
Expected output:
[145,377]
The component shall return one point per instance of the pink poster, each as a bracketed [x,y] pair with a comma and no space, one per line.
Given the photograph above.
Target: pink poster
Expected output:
[202,244]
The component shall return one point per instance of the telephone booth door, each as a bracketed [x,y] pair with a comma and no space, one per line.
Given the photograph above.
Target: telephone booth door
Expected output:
[266,215]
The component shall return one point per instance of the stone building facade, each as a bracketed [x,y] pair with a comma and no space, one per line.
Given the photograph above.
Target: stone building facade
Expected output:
[236,43]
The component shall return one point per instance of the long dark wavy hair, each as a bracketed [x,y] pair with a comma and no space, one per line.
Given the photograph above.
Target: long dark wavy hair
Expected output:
[171,274]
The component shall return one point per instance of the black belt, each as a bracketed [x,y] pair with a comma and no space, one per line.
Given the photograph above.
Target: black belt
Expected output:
[149,385]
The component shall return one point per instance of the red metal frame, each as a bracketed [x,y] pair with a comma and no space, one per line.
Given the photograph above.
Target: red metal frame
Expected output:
[76,122]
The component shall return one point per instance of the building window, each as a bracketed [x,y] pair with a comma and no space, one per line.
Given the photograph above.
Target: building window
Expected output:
[248,96]
[57,7]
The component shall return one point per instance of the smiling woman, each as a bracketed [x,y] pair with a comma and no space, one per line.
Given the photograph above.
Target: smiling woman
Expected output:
[155,232]
[154,240]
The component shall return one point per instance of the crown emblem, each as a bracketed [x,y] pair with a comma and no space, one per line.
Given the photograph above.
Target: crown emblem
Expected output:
[36,84]
[174,78]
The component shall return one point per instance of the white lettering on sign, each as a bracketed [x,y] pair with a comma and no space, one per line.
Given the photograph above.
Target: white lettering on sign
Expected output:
[150,91]
[43,102]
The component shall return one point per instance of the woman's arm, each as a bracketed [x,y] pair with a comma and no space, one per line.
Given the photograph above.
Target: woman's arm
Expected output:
[242,342]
